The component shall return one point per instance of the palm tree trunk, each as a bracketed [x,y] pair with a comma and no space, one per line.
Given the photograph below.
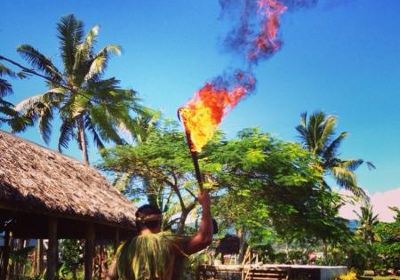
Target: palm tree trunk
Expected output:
[82,141]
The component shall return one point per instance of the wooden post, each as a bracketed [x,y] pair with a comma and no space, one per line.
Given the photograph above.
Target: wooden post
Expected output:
[89,251]
[5,255]
[41,257]
[52,250]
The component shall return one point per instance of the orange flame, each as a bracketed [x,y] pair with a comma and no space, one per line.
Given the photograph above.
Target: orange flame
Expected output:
[202,114]
[266,41]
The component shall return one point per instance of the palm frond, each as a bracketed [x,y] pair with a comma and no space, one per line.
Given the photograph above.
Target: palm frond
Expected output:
[100,88]
[19,123]
[97,66]
[330,151]
[10,116]
[302,129]
[66,133]
[45,127]
[105,124]
[7,111]
[370,165]
[5,88]
[85,49]
[40,107]
[28,103]
[78,104]
[6,104]
[53,96]
[70,34]
[96,138]
[346,179]
[351,164]
[99,62]
[83,56]
[5,71]
[39,61]
[315,128]
[327,131]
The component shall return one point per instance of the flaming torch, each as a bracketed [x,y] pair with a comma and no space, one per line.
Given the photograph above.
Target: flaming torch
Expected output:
[204,112]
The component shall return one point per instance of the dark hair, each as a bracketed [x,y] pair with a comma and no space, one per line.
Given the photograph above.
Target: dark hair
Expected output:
[147,211]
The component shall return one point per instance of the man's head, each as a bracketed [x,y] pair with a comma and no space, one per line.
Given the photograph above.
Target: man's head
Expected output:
[148,217]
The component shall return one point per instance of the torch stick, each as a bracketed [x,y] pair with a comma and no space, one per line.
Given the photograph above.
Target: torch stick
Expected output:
[195,159]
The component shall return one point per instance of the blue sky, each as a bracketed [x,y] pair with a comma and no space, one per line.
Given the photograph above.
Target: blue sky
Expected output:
[342,57]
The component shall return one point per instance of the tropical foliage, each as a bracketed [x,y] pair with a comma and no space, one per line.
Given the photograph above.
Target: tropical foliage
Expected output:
[159,168]
[367,220]
[317,134]
[260,185]
[269,192]
[86,103]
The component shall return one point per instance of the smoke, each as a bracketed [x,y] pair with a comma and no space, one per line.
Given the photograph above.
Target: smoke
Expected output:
[255,36]
[255,33]
[234,79]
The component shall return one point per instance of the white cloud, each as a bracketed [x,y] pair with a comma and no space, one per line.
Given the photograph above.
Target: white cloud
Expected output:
[380,202]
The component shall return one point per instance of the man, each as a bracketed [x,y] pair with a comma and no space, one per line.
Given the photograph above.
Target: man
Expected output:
[158,255]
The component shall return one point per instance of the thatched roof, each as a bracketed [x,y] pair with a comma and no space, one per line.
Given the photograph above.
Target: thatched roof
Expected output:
[36,180]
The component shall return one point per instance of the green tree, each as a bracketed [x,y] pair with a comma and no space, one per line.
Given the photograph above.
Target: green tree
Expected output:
[71,253]
[85,102]
[388,245]
[367,222]
[159,168]
[317,134]
[282,180]
[260,184]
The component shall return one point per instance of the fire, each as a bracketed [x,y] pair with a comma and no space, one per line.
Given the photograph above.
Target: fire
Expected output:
[266,41]
[202,114]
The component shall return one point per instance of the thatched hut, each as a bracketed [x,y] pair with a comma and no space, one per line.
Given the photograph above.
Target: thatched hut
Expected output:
[46,195]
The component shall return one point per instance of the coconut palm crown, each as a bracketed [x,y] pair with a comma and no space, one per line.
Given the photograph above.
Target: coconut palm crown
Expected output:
[317,133]
[86,103]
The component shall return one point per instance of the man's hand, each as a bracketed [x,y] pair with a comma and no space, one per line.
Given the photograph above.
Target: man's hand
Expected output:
[204,198]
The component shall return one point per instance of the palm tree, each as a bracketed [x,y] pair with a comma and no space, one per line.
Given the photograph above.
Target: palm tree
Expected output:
[367,221]
[85,103]
[396,211]
[8,114]
[317,134]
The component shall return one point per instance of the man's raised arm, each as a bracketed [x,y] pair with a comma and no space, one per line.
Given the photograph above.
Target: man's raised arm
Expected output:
[203,237]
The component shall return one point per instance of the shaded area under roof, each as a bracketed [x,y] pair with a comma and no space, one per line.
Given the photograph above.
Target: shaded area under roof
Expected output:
[37,183]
